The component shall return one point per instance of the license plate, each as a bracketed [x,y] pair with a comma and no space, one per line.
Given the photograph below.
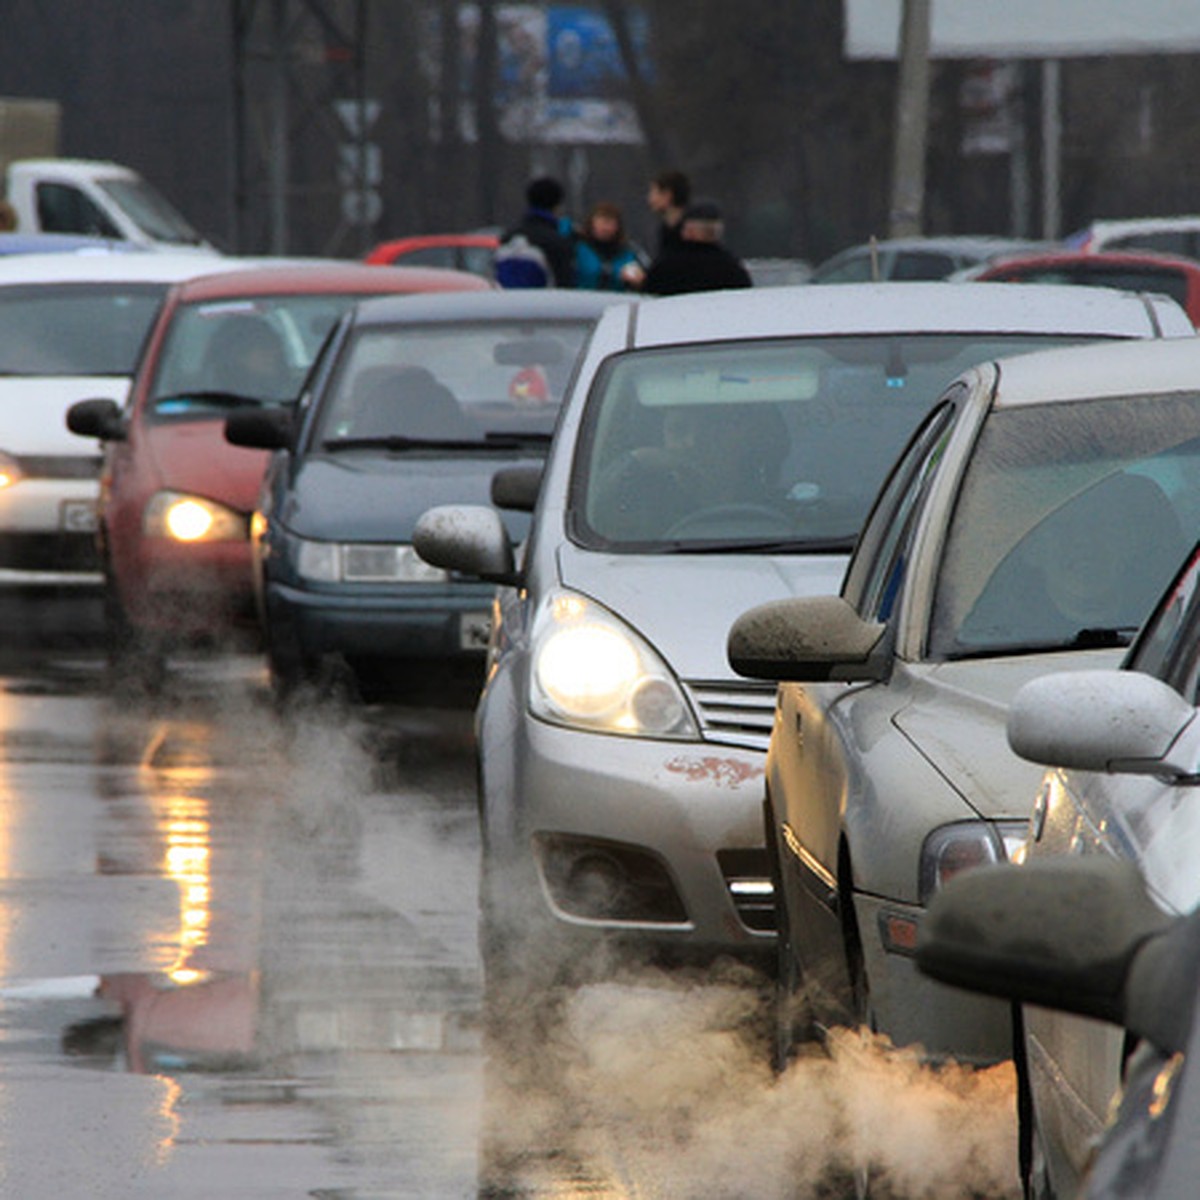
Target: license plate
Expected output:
[474,630]
[77,516]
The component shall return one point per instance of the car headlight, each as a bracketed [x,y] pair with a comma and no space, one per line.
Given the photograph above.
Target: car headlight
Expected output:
[591,671]
[952,849]
[359,562]
[184,518]
[10,471]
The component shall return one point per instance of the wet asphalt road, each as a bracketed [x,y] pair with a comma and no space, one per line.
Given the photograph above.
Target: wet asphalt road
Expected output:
[238,959]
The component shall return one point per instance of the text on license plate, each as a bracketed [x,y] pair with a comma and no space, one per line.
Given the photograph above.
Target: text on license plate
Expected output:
[77,516]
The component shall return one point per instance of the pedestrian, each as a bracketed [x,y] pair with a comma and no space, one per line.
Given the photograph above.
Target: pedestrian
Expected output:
[699,261]
[605,259]
[539,251]
[668,197]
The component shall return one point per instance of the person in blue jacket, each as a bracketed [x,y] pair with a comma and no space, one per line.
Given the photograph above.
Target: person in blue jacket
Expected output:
[605,259]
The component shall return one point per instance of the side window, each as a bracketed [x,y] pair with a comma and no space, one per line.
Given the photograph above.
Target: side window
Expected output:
[877,570]
[1167,646]
[922,265]
[65,209]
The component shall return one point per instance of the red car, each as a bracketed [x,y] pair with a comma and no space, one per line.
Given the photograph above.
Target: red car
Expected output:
[462,251]
[1129,270]
[175,497]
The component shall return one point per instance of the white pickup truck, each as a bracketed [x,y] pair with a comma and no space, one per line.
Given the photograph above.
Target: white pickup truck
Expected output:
[71,195]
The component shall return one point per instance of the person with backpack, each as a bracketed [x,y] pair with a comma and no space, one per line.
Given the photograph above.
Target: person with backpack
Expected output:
[605,259]
[539,251]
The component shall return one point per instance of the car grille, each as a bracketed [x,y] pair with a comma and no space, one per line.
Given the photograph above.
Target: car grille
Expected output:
[48,552]
[63,466]
[739,714]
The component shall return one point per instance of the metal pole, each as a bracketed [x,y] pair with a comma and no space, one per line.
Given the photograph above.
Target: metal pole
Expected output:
[1051,149]
[912,119]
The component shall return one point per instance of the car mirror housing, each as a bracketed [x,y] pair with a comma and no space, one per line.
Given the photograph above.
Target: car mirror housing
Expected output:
[812,639]
[260,428]
[1121,722]
[517,488]
[1061,933]
[468,538]
[98,418]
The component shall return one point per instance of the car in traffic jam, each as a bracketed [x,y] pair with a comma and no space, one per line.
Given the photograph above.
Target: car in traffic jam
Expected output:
[415,400]
[175,497]
[1029,527]
[715,451]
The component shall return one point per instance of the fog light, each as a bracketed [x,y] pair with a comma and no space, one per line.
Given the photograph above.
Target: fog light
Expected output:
[595,885]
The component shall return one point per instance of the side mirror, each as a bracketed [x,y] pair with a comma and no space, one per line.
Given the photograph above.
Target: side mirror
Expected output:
[517,488]
[468,538]
[99,418]
[808,640]
[1121,722]
[260,428]
[1057,932]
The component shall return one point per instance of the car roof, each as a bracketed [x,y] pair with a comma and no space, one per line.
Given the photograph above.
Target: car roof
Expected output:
[144,267]
[873,308]
[331,276]
[543,304]
[1124,258]
[1098,371]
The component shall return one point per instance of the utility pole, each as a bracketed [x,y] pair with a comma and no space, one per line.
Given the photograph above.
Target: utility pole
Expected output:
[912,120]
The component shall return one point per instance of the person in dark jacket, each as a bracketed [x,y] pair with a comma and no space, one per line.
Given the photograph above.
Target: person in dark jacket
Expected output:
[699,262]
[539,251]
[668,196]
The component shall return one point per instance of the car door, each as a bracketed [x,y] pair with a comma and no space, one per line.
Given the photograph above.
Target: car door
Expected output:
[818,726]
[1075,1064]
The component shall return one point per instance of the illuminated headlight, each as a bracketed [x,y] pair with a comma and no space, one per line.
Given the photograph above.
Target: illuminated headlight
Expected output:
[10,471]
[952,849]
[184,518]
[357,562]
[591,671]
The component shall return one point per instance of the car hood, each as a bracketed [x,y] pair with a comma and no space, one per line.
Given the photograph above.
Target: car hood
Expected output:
[957,720]
[194,457]
[684,604]
[367,497]
[33,413]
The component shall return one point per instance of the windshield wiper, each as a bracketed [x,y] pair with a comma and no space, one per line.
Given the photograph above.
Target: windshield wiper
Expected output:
[841,545]
[1092,638]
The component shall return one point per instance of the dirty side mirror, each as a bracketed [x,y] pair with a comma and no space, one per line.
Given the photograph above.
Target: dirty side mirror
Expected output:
[468,538]
[1122,722]
[812,639]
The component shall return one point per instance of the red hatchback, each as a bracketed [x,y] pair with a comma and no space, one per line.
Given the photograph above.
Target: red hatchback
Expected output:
[176,498]
[1129,270]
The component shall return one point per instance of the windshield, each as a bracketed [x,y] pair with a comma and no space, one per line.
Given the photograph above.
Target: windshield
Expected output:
[218,353]
[94,329]
[1071,520]
[456,382]
[779,443]
[150,211]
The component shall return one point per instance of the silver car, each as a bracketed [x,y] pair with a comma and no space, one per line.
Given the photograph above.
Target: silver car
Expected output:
[715,451]
[1126,745]
[1029,527]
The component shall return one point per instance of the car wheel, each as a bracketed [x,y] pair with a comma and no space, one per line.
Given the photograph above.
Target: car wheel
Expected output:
[861,1012]
[1035,1179]
[136,660]
[791,1019]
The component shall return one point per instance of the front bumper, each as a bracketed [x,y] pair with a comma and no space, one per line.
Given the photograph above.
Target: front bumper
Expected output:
[418,622]
[655,843]
[915,1010]
[47,535]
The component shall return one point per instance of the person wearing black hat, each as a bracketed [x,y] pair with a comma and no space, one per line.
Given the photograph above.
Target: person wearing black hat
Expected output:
[698,261]
[539,251]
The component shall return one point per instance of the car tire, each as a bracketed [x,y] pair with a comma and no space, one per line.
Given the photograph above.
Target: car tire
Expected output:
[136,660]
[1035,1179]
[860,1010]
[791,1021]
